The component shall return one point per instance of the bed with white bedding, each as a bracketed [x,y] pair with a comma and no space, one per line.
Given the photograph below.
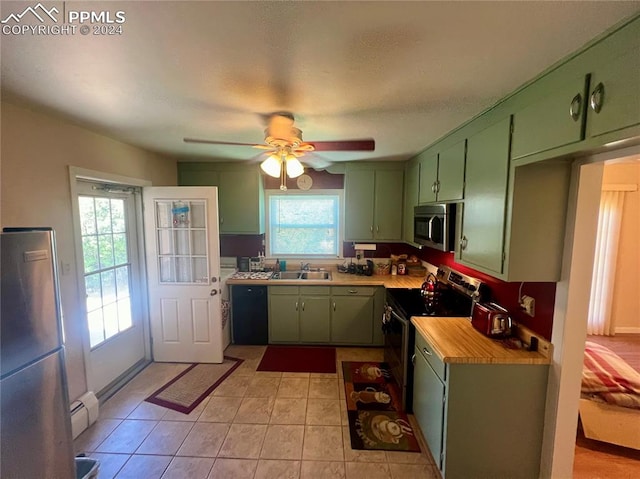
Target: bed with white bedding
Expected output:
[610,399]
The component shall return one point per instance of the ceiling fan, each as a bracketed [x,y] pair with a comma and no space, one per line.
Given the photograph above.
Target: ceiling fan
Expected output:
[285,142]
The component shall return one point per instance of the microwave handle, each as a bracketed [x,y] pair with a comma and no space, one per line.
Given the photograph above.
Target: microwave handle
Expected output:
[431,228]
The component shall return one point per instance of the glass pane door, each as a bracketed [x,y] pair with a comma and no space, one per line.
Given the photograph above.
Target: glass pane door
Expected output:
[107,267]
[181,232]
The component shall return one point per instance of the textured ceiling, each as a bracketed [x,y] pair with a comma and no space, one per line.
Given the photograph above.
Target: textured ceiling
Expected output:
[403,73]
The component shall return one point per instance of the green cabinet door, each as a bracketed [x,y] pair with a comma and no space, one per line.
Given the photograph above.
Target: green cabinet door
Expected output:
[615,92]
[283,318]
[315,312]
[554,118]
[483,220]
[428,405]
[239,203]
[428,177]
[388,205]
[352,319]
[450,184]
[359,197]
[411,188]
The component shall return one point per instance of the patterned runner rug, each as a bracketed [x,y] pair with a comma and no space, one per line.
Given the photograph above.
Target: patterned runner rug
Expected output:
[376,420]
[184,392]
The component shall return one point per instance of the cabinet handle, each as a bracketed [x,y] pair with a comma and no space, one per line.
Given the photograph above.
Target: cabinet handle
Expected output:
[296,306]
[427,352]
[463,242]
[221,220]
[353,291]
[437,186]
[433,187]
[576,107]
[413,359]
[597,98]
[377,229]
[334,305]
[303,306]
[371,229]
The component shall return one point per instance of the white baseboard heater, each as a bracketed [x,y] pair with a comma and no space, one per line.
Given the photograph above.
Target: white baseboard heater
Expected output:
[84,412]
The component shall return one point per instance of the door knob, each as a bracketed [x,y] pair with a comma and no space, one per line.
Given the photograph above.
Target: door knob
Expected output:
[213,292]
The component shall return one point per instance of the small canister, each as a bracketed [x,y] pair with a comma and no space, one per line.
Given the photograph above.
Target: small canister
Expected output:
[402,268]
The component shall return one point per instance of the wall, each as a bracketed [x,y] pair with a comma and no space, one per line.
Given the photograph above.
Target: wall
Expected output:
[626,300]
[37,150]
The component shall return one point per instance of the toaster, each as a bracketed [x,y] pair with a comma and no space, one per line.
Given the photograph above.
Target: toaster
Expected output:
[491,319]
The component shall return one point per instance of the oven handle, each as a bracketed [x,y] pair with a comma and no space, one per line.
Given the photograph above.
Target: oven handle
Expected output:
[431,228]
[398,317]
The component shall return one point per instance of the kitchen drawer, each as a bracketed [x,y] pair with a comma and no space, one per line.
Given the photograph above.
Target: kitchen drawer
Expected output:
[283,290]
[315,290]
[353,290]
[431,356]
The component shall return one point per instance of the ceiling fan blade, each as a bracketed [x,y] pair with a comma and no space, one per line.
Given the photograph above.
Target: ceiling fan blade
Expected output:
[365,144]
[214,142]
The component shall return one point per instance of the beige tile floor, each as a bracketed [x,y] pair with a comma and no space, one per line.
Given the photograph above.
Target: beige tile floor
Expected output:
[254,425]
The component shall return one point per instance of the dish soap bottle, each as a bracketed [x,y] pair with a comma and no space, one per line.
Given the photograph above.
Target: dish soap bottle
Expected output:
[277,264]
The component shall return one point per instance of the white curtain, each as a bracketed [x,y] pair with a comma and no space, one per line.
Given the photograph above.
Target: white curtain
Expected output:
[600,321]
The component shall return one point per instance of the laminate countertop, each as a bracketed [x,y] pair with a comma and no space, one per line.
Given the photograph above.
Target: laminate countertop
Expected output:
[341,279]
[457,342]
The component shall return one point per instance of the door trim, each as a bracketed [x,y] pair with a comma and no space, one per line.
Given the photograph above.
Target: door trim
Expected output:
[75,174]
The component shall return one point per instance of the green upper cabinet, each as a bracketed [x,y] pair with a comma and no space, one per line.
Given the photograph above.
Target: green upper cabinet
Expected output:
[388,205]
[483,220]
[450,185]
[359,194]
[555,117]
[442,173]
[411,190]
[373,202]
[614,99]
[240,193]
[428,176]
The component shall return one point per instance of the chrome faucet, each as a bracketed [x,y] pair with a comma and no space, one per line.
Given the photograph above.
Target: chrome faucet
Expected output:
[304,266]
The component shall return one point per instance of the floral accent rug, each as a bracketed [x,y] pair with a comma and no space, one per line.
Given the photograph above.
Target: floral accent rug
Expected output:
[376,419]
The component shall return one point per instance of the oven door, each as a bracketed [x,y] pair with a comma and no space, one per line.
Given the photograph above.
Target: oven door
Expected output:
[397,351]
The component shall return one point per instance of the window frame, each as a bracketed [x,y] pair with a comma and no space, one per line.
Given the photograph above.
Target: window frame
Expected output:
[320,192]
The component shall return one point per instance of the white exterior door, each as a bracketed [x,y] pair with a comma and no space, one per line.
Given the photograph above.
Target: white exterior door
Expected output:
[183,264]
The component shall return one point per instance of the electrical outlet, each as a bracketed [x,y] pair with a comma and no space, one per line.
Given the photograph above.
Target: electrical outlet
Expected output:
[359,254]
[528,304]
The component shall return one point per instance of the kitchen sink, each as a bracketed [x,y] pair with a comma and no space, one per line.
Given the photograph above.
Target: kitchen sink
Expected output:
[302,275]
[286,275]
[315,275]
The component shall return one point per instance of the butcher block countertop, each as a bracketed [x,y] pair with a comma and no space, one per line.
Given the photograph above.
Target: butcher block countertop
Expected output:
[457,342]
[341,279]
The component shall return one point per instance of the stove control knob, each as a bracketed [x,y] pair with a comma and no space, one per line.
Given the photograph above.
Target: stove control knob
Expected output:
[471,287]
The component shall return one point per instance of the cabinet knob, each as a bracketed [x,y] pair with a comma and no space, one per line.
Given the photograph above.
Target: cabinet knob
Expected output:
[597,98]
[576,107]
[213,292]
[214,279]
[426,351]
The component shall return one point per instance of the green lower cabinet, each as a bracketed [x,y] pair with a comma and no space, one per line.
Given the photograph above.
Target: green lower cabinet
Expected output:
[428,404]
[352,319]
[480,420]
[314,319]
[283,318]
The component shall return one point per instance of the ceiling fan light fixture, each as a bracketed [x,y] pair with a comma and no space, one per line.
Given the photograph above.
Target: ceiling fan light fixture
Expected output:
[294,167]
[271,166]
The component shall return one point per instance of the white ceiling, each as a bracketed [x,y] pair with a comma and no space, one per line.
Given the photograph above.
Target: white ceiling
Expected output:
[402,73]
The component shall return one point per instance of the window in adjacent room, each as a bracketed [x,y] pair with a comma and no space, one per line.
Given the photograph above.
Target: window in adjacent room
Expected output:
[302,224]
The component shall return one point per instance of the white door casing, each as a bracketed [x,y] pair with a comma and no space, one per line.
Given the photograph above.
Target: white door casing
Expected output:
[183,264]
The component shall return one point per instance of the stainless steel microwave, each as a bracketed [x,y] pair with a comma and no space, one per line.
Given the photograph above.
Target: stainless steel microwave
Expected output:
[434,226]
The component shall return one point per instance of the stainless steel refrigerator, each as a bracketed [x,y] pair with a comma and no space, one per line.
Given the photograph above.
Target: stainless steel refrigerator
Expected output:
[35,423]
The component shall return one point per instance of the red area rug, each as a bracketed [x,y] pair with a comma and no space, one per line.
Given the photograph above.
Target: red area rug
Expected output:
[299,359]
[376,419]
[184,392]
